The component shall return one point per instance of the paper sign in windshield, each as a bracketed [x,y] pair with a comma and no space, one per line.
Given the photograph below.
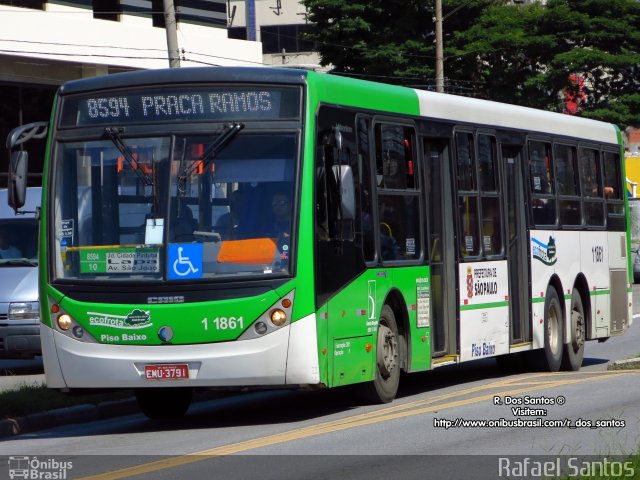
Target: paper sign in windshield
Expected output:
[123,260]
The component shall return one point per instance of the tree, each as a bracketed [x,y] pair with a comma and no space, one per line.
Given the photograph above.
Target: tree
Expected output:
[528,55]
[376,39]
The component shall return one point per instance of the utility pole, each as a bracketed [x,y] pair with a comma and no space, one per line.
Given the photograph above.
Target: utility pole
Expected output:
[170,26]
[439,54]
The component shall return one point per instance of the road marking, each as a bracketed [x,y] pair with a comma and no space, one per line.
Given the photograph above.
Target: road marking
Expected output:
[637,315]
[381,415]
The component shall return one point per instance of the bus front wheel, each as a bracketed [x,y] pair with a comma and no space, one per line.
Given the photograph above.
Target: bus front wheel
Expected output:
[574,348]
[384,387]
[164,403]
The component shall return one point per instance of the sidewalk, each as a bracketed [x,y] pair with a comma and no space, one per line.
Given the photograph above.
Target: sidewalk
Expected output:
[17,373]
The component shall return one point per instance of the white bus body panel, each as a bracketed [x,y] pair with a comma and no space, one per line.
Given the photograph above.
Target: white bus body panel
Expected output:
[484,309]
[261,361]
[484,112]
[594,254]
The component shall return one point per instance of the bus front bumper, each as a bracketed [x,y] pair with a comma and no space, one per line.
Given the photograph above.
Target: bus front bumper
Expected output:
[288,356]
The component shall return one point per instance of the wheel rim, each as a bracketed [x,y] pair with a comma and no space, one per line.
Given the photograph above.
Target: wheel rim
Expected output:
[387,351]
[578,337]
[553,330]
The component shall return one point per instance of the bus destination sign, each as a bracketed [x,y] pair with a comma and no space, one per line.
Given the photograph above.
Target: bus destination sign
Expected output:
[171,105]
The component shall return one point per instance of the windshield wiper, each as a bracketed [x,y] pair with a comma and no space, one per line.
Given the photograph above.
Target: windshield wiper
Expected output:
[115,135]
[221,141]
[19,262]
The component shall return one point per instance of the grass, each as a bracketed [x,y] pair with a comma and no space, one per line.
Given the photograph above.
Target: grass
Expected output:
[632,363]
[27,399]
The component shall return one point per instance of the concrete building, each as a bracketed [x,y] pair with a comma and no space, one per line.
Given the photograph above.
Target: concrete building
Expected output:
[47,42]
[279,25]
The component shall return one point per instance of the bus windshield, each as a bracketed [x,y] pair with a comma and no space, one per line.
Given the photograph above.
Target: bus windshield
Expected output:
[165,208]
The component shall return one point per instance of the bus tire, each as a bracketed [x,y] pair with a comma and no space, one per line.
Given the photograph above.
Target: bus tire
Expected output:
[574,348]
[384,387]
[550,357]
[164,403]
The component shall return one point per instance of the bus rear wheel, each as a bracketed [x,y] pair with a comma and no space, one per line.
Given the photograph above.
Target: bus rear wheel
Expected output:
[384,387]
[164,403]
[550,357]
[574,348]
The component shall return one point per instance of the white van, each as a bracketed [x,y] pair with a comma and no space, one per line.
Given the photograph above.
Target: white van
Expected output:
[19,308]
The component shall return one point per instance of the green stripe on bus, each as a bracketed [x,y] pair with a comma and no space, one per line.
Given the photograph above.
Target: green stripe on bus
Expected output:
[484,305]
[537,300]
[599,292]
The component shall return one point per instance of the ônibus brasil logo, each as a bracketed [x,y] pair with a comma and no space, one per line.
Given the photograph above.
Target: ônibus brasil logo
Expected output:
[546,253]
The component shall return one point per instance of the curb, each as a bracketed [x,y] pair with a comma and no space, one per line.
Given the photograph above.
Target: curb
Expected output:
[629,364]
[10,427]
[84,413]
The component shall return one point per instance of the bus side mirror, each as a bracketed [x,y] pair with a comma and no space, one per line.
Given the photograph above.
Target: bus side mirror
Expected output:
[17,188]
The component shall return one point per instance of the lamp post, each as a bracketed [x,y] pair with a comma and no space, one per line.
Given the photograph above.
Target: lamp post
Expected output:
[172,33]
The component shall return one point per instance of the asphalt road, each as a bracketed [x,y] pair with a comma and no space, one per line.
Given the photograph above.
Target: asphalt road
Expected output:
[326,434]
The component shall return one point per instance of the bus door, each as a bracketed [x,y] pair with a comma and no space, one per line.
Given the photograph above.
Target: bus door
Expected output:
[441,254]
[517,248]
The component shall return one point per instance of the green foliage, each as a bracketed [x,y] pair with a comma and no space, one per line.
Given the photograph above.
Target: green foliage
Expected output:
[521,54]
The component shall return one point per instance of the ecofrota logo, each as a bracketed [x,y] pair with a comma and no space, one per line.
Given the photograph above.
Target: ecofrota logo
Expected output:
[545,253]
[38,469]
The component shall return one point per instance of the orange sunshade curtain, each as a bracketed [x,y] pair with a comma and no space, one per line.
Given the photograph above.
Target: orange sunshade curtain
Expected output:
[254,250]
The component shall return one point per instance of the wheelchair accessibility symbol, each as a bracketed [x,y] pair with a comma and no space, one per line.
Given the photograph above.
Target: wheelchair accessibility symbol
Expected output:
[185,260]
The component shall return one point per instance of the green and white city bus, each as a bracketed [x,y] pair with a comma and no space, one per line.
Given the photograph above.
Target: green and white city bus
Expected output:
[256,227]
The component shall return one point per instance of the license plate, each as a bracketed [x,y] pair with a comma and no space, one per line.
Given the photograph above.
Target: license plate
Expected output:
[166,372]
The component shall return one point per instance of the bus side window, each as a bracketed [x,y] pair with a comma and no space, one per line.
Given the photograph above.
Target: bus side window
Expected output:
[567,185]
[467,195]
[488,177]
[591,186]
[399,228]
[543,201]
[613,191]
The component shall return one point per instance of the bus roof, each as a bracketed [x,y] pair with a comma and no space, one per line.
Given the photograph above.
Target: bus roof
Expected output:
[370,95]
[473,110]
[186,75]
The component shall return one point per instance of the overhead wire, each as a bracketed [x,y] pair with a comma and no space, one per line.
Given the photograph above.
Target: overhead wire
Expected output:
[187,55]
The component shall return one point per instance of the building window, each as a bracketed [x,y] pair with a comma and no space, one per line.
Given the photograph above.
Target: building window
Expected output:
[237,33]
[35,4]
[157,13]
[285,39]
[106,10]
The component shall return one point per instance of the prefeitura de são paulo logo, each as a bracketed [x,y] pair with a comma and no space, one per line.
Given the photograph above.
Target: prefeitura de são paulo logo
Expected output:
[38,468]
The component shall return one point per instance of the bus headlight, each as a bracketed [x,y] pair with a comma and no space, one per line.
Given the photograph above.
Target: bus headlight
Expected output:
[278,317]
[64,322]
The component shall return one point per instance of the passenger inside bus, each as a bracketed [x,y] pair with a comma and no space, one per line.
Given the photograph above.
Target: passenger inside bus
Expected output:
[281,208]
[182,224]
[228,225]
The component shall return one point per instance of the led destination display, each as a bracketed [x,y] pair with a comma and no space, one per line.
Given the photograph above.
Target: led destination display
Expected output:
[171,105]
